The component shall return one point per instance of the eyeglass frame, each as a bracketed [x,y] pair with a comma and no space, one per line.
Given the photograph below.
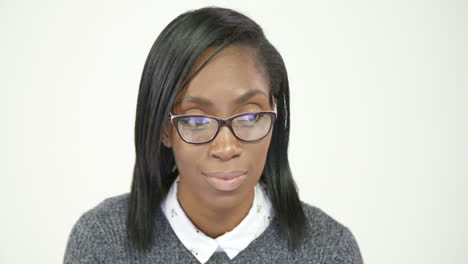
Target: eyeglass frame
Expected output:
[224,121]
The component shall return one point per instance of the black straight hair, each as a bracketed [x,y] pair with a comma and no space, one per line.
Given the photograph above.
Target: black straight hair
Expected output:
[166,72]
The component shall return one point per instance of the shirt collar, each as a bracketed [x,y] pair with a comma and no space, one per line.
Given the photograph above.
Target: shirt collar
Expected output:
[233,242]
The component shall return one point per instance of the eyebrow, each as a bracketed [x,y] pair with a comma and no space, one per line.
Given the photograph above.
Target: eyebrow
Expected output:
[239,100]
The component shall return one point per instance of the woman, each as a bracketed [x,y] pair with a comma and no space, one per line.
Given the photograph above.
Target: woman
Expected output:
[211,182]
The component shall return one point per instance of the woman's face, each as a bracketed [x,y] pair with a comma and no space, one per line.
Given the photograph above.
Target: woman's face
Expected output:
[231,74]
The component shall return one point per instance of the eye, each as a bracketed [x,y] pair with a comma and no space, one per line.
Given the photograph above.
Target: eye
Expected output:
[247,120]
[195,121]
[250,117]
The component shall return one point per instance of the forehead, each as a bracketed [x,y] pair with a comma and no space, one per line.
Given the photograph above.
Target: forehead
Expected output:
[231,73]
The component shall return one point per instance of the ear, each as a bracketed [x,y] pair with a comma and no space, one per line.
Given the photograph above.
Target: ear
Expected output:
[166,136]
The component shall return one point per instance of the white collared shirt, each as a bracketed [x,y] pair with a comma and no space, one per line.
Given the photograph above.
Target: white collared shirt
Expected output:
[233,242]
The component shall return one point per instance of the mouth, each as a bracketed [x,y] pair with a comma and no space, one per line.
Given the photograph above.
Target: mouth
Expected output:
[226,181]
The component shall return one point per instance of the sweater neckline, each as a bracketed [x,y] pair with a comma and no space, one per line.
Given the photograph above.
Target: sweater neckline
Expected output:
[264,237]
[233,242]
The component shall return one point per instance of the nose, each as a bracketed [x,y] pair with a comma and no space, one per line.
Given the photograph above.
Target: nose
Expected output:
[225,146]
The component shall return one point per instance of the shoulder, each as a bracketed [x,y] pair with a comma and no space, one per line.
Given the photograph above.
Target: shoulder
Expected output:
[112,207]
[98,230]
[335,241]
[320,221]
[109,211]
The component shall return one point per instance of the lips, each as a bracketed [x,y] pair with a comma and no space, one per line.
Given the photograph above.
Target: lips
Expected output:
[225,175]
[226,181]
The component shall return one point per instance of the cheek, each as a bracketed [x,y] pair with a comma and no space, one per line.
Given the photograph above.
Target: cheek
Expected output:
[186,155]
[258,153]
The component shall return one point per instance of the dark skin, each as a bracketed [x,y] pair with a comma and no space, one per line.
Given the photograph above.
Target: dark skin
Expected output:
[232,76]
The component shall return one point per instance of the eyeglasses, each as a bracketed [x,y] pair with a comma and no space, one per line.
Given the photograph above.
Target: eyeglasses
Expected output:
[200,129]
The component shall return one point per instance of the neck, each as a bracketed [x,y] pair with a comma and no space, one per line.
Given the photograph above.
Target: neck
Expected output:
[213,220]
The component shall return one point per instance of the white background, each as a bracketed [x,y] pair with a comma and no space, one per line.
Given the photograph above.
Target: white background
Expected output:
[379,93]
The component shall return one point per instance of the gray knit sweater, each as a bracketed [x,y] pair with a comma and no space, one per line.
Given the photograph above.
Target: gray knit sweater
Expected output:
[99,236]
